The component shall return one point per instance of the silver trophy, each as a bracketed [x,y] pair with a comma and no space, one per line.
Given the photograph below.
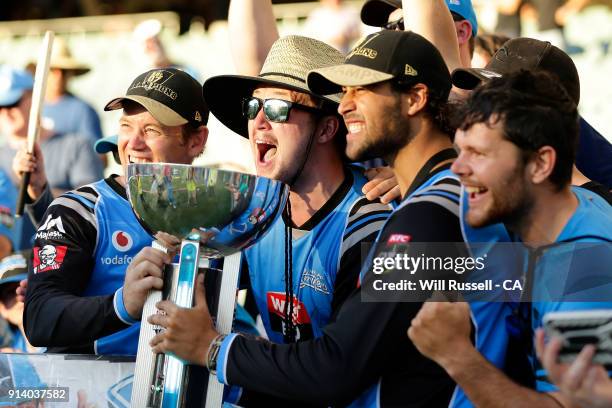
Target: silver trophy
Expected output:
[217,213]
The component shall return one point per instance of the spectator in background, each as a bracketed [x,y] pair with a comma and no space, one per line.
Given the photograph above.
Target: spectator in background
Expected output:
[147,40]
[484,47]
[509,17]
[335,24]
[13,269]
[388,14]
[8,197]
[64,112]
[71,161]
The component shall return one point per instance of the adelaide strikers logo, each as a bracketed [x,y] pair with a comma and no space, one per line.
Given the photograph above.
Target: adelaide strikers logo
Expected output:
[122,241]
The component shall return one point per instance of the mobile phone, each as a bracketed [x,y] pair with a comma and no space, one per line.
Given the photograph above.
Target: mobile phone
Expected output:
[580,328]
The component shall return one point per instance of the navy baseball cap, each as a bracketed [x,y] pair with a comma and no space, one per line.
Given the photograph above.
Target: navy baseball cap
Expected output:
[106,144]
[13,83]
[376,12]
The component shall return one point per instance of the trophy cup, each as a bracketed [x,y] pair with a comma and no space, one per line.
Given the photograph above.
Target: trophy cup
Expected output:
[216,213]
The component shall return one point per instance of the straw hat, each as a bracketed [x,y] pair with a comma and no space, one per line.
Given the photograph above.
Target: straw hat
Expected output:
[61,58]
[286,66]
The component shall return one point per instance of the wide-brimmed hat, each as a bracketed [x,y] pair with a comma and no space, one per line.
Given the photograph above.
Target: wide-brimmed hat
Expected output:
[61,58]
[286,66]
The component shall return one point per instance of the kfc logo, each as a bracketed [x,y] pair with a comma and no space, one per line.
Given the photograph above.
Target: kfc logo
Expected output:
[48,258]
[122,241]
[399,239]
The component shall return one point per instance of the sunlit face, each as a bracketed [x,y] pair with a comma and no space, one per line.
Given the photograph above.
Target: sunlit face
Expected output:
[376,127]
[279,149]
[14,120]
[494,175]
[143,139]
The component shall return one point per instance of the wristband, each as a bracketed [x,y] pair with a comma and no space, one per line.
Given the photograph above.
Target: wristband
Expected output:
[213,353]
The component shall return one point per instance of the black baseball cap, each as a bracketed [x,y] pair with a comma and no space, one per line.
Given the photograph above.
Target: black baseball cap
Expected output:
[404,56]
[376,12]
[172,96]
[523,54]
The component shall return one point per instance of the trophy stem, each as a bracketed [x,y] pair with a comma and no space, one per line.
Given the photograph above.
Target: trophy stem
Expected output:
[225,318]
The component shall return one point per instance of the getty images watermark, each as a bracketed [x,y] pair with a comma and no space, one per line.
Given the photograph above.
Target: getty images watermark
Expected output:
[412,272]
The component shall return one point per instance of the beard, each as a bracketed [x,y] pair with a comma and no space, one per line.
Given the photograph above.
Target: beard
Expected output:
[383,141]
[511,202]
[291,171]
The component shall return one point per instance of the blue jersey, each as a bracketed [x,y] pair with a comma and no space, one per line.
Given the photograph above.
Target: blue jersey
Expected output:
[325,258]
[561,279]
[574,273]
[83,247]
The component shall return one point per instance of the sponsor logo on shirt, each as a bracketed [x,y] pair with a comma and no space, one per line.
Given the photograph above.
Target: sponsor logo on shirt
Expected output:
[48,258]
[314,280]
[276,309]
[52,228]
[399,239]
[122,241]
[116,260]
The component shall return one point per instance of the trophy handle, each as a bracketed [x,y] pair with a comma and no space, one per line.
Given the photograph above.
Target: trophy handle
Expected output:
[225,318]
[160,380]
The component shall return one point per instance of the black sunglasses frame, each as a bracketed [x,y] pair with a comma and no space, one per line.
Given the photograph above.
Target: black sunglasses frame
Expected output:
[262,105]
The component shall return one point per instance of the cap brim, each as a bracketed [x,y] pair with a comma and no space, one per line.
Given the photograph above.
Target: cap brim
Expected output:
[11,97]
[14,278]
[159,111]
[330,80]
[105,145]
[228,109]
[376,12]
[470,78]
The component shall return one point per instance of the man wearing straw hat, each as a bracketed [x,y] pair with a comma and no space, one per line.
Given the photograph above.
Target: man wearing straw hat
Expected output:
[296,136]
[362,355]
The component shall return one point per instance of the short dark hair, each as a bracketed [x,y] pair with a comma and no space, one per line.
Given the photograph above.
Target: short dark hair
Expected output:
[438,108]
[535,111]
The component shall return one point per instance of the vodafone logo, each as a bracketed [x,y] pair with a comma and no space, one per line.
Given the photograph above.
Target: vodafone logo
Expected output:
[122,241]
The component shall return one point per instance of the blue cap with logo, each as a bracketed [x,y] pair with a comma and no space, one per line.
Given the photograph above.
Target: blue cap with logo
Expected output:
[376,12]
[464,9]
[13,83]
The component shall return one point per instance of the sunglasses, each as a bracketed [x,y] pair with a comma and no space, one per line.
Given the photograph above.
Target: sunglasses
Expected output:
[275,110]
[395,25]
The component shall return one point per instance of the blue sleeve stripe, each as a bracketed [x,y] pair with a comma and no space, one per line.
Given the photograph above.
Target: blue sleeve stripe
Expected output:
[233,395]
[81,199]
[222,358]
[366,220]
[120,310]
